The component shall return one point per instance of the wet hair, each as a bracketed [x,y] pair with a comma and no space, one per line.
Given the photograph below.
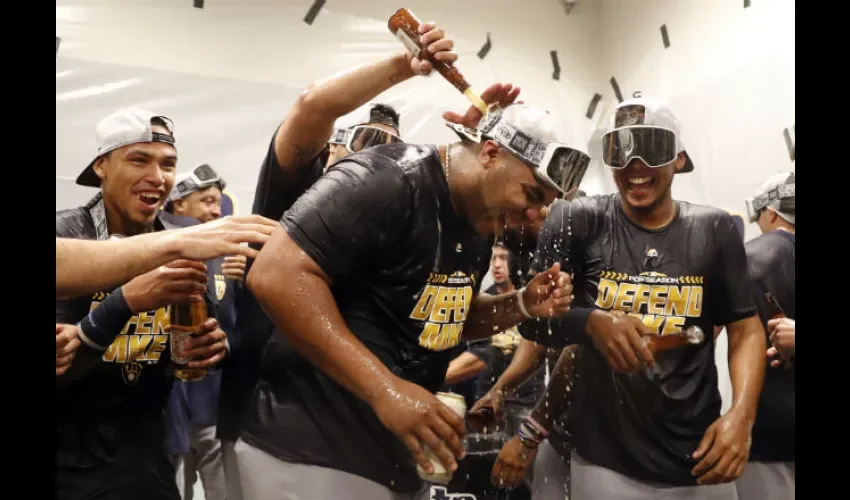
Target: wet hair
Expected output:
[385,114]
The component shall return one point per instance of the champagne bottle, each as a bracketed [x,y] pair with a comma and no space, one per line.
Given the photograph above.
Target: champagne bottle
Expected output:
[186,321]
[405,26]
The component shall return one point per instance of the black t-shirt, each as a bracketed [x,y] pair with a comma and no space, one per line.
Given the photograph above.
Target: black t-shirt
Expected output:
[110,431]
[771,261]
[693,271]
[276,191]
[405,269]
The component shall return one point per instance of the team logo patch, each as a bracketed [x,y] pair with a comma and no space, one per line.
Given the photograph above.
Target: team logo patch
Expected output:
[131,373]
[220,286]
[630,115]
[441,493]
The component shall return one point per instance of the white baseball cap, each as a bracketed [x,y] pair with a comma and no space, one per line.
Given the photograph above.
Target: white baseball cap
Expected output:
[776,193]
[647,112]
[528,133]
[122,128]
[201,177]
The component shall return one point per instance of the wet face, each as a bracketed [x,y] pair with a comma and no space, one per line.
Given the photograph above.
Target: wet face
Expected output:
[513,197]
[339,151]
[499,265]
[643,187]
[136,179]
[204,205]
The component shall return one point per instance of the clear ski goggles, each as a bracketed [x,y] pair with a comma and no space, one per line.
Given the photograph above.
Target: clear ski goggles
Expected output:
[200,178]
[556,164]
[562,167]
[784,194]
[362,137]
[655,146]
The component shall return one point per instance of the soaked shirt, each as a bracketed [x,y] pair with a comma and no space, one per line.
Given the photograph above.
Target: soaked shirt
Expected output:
[110,430]
[646,424]
[276,191]
[405,268]
[771,260]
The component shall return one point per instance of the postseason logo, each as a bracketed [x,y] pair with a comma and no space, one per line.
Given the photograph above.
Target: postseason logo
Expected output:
[440,493]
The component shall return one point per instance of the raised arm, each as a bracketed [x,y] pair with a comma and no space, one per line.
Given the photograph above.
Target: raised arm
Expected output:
[309,124]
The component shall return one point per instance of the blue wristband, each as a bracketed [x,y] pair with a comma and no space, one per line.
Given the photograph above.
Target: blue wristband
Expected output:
[105,321]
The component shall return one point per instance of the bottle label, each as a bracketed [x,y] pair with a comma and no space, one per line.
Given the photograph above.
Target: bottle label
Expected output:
[179,337]
[408,42]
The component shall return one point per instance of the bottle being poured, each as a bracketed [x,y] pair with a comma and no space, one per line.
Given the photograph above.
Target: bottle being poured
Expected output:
[691,335]
[405,26]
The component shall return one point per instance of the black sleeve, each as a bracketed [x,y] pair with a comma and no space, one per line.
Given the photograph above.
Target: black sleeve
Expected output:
[558,241]
[351,215]
[732,287]
[277,190]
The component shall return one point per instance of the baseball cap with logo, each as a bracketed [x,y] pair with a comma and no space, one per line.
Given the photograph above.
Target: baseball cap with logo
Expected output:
[528,133]
[776,193]
[645,128]
[122,128]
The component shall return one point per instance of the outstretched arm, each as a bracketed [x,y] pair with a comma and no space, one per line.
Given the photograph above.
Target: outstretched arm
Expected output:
[87,266]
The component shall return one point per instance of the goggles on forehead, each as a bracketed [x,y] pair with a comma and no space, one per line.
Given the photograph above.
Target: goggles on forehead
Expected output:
[362,137]
[784,193]
[556,164]
[200,178]
[655,146]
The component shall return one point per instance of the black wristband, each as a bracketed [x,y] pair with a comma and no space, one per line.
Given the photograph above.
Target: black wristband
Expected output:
[565,330]
[105,321]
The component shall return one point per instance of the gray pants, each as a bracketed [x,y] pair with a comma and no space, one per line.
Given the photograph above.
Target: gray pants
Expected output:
[204,459]
[231,470]
[264,477]
[763,480]
[551,474]
[591,482]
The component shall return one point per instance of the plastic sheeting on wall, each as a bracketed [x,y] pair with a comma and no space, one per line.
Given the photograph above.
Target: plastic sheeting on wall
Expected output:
[227,74]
